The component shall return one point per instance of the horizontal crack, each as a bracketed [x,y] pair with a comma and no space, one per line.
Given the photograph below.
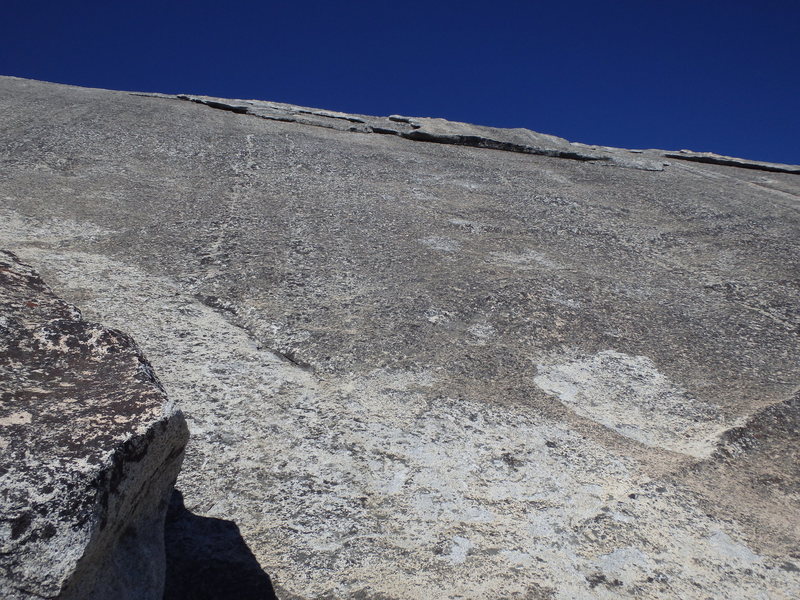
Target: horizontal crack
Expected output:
[242,110]
[477,141]
[734,162]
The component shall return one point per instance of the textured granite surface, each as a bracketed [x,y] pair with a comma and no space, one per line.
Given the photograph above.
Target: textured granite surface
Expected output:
[90,450]
[439,370]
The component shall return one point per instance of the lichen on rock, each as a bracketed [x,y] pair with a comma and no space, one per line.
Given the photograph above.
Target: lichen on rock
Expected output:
[91,448]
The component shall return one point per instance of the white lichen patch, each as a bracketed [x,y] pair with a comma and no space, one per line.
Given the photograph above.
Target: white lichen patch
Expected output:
[16,418]
[467,225]
[438,316]
[626,565]
[529,259]
[52,230]
[480,334]
[629,395]
[459,550]
[723,545]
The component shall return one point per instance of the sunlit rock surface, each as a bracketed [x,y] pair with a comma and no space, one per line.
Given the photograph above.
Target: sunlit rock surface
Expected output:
[90,451]
[497,366]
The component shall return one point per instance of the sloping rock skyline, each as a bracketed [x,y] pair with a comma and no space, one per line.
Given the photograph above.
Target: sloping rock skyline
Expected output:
[442,131]
[439,370]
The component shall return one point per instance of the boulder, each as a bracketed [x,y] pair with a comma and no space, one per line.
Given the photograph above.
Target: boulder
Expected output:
[91,448]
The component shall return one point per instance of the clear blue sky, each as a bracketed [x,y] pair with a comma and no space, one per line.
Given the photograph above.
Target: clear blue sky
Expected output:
[702,74]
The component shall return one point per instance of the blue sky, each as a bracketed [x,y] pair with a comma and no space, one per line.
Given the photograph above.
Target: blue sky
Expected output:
[702,74]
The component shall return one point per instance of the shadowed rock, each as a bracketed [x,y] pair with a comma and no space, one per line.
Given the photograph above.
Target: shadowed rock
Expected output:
[90,451]
[207,559]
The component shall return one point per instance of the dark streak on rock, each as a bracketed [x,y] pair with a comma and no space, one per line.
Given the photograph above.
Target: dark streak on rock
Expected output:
[713,159]
[650,160]
[242,110]
[482,142]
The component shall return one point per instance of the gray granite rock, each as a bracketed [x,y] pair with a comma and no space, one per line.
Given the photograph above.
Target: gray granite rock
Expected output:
[442,131]
[730,161]
[90,451]
[438,370]
[424,129]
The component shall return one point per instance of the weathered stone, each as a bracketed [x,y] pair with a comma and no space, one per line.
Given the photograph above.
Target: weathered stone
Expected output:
[425,370]
[424,129]
[90,451]
[442,131]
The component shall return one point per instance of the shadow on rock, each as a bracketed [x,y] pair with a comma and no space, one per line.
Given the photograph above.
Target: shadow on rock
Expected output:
[208,559]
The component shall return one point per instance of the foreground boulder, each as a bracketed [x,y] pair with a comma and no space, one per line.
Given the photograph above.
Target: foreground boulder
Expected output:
[90,451]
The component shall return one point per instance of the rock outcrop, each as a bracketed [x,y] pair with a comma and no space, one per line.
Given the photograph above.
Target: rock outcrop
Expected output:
[498,366]
[442,131]
[90,446]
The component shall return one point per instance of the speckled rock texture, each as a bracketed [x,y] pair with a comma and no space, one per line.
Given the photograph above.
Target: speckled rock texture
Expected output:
[463,363]
[90,452]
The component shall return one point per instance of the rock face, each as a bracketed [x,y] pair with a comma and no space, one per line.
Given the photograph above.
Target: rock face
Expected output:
[497,366]
[90,451]
[441,131]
